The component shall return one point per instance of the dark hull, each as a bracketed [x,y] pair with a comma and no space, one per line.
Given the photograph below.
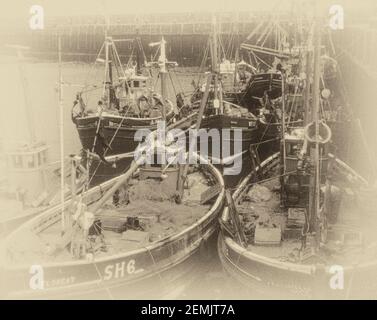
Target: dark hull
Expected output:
[257,86]
[230,180]
[239,157]
[121,139]
[248,126]
[101,172]
[265,139]
[252,134]
[269,138]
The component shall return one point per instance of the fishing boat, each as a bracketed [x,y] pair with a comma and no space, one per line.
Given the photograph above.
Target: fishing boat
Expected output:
[23,192]
[274,58]
[127,237]
[117,239]
[257,84]
[275,261]
[298,226]
[31,185]
[29,180]
[284,66]
[128,103]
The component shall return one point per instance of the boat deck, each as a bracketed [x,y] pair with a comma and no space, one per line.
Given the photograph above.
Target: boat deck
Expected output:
[260,205]
[148,200]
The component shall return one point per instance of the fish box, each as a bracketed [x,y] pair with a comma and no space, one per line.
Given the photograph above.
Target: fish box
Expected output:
[146,220]
[149,171]
[296,218]
[267,236]
[114,225]
[292,233]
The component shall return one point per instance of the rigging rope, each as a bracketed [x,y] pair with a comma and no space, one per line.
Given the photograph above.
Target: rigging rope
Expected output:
[111,141]
[293,103]
[204,60]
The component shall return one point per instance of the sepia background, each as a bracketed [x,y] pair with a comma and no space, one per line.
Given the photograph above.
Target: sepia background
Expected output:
[33,86]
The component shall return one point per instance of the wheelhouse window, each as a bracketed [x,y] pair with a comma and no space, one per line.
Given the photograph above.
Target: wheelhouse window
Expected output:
[40,160]
[17,161]
[44,156]
[30,161]
[292,149]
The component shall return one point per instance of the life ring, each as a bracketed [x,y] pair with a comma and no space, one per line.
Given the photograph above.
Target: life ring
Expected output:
[321,140]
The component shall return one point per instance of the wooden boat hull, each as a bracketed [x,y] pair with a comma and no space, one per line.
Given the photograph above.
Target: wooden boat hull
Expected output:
[250,135]
[248,126]
[156,273]
[263,277]
[118,131]
[257,86]
[245,163]
[116,275]
[101,172]
[269,136]
[262,136]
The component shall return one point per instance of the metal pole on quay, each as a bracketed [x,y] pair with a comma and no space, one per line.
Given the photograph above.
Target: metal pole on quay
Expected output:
[61,127]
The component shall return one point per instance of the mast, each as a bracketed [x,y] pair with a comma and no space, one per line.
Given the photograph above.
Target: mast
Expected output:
[61,125]
[283,120]
[108,69]
[163,72]
[182,177]
[163,75]
[314,152]
[217,92]
[108,75]
[308,70]
[138,61]
[214,47]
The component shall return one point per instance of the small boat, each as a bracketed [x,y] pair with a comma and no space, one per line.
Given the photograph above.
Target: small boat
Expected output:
[127,237]
[275,259]
[29,181]
[30,186]
[299,226]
